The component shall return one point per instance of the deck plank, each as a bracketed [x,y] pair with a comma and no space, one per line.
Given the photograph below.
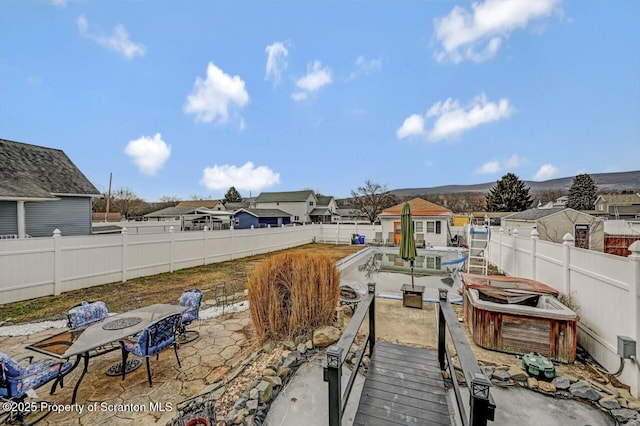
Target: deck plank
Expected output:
[403,386]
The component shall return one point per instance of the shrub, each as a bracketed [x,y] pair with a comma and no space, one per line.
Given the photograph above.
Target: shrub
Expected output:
[292,293]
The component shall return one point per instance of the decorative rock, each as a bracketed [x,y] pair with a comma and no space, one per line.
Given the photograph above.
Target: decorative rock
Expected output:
[240,403]
[488,371]
[289,362]
[269,346]
[501,375]
[285,353]
[518,374]
[325,336]
[634,405]
[561,382]
[252,405]
[217,394]
[254,394]
[366,361]
[633,422]
[610,402]
[532,382]
[571,378]
[302,348]
[309,344]
[290,345]
[623,403]
[268,372]
[623,415]
[546,386]
[264,391]
[583,390]
[283,373]
[300,339]
[274,380]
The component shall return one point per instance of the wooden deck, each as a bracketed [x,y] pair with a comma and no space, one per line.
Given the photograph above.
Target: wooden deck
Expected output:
[404,386]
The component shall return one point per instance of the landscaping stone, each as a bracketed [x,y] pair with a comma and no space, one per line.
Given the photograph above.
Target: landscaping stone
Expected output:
[289,362]
[623,415]
[268,372]
[269,346]
[561,382]
[583,390]
[325,336]
[252,405]
[488,371]
[501,375]
[546,386]
[634,405]
[517,374]
[290,345]
[309,344]
[610,402]
[283,373]
[274,380]
[264,389]
[301,348]
[532,382]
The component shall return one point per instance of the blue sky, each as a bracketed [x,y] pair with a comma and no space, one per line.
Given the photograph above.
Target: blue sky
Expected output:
[190,98]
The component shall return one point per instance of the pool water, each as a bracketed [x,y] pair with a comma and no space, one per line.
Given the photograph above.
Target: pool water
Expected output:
[433,269]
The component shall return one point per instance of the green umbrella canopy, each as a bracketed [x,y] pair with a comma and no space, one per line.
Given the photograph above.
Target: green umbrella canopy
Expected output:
[407,243]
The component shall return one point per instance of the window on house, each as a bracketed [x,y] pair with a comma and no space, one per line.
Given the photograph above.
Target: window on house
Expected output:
[434,262]
[418,226]
[296,218]
[434,227]
[311,203]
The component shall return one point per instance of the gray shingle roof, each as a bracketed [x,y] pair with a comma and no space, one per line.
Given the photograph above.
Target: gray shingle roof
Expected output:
[266,212]
[324,200]
[320,211]
[30,171]
[533,214]
[172,212]
[283,197]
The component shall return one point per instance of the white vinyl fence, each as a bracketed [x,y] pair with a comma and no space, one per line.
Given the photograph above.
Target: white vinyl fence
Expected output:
[36,267]
[605,288]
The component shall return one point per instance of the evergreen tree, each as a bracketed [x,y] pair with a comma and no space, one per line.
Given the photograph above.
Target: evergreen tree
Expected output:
[508,195]
[232,196]
[583,193]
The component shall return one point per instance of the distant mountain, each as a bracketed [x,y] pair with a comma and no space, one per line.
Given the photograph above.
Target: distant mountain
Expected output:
[607,182]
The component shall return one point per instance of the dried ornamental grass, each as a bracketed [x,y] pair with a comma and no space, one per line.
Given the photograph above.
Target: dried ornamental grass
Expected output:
[292,293]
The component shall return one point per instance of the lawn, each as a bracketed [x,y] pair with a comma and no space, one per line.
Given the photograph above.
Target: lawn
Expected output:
[162,288]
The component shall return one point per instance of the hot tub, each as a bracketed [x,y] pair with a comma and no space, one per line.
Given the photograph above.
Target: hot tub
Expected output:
[548,327]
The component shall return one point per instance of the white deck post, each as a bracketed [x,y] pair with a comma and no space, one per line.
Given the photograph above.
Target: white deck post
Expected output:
[567,242]
[22,233]
[206,240]
[57,262]
[125,252]
[534,241]
[500,268]
[514,270]
[634,290]
[171,251]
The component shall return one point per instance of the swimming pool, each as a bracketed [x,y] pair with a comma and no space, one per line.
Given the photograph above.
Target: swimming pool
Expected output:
[434,268]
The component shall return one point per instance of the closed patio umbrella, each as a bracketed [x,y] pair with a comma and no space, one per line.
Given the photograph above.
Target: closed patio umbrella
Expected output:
[407,243]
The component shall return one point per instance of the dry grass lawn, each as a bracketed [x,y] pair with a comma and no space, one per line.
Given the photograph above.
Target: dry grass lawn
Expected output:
[162,288]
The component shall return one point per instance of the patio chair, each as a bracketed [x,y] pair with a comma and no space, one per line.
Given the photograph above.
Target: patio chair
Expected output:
[85,314]
[420,241]
[377,241]
[391,239]
[17,381]
[151,341]
[190,299]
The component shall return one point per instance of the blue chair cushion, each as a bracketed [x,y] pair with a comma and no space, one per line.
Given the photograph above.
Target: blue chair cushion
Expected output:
[191,299]
[10,367]
[88,313]
[33,376]
[148,343]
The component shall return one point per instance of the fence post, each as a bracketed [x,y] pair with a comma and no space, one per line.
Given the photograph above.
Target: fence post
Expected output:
[534,242]
[567,242]
[442,325]
[372,317]
[57,262]
[171,243]
[231,246]
[206,241]
[125,252]
[635,302]
[514,271]
[334,377]
[479,400]
[500,268]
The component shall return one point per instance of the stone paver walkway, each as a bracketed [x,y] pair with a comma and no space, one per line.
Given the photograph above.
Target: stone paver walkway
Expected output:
[105,400]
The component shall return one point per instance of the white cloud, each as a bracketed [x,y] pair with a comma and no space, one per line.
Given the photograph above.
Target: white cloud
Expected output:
[452,119]
[477,35]
[546,171]
[149,154]
[276,61]
[513,161]
[489,168]
[118,42]
[316,78]
[243,178]
[365,67]
[412,126]
[211,98]
[59,3]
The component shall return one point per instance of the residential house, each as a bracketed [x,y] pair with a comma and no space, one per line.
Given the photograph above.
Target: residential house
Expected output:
[42,190]
[299,204]
[325,211]
[351,215]
[194,215]
[430,221]
[618,206]
[260,218]
[554,223]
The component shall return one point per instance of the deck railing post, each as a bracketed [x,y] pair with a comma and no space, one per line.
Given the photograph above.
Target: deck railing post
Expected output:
[479,400]
[334,377]
[442,325]
[372,317]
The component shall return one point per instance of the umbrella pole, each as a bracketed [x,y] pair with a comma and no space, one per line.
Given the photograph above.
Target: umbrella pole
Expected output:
[411,264]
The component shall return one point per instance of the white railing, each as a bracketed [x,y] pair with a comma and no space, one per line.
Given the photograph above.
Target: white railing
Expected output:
[605,289]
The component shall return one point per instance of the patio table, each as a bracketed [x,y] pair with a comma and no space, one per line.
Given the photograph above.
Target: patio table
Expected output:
[96,339]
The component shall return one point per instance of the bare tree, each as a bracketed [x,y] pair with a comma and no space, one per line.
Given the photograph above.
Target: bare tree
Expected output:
[126,202]
[371,198]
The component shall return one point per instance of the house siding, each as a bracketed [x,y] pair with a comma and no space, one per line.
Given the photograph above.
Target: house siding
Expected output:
[71,215]
[8,218]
